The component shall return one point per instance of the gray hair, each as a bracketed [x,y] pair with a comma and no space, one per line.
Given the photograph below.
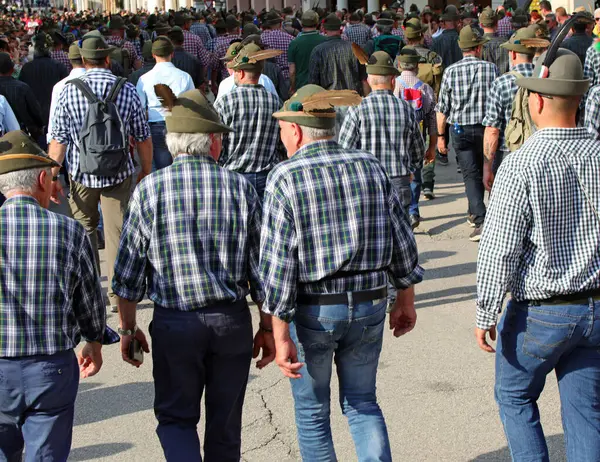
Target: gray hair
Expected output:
[318,133]
[380,79]
[409,66]
[195,144]
[22,180]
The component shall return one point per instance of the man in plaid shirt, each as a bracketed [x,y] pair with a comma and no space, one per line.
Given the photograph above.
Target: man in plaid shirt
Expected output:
[191,241]
[51,298]
[333,231]
[500,102]
[356,31]
[492,50]
[58,53]
[200,29]
[541,243]
[592,112]
[275,38]
[88,190]
[116,25]
[591,68]
[220,46]
[253,147]
[192,43]
[462,101]
[505,28]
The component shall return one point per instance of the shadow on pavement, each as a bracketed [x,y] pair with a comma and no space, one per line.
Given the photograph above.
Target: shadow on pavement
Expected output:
[446,226]
[434,255]
[96,451]
[451,271]
[556,449]
[444,301]
[98,404]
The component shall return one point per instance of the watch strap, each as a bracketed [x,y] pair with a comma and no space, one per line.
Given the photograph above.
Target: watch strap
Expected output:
[127,331]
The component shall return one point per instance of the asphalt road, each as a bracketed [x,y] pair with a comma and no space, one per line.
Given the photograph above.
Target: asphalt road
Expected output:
[434,385]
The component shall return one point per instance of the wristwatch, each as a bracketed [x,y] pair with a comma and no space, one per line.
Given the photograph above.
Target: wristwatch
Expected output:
[127,331]
[442,135]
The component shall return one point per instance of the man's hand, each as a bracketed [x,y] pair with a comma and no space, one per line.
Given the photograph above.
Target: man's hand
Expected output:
[142,175]
[403,317]
[481,334]
[441,145]
[264,341]
[286,357]
[57,191]
[90,359]
[488,176]
[429,156]
[126,341]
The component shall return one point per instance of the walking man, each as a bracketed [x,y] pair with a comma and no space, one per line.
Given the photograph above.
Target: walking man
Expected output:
[541,243]
[301,48]
[334,230]
[194,249]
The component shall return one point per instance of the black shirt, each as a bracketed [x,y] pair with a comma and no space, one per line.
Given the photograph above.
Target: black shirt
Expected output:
[41,75]
[446,45]
[185,62]
[135,75]
[578,43]
[24,104]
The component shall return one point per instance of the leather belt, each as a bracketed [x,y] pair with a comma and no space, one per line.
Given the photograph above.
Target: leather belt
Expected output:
[578,298]
[342,298]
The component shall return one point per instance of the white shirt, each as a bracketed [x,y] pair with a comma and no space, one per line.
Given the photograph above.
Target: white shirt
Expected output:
[9,121]
[228,85]
[75,73]
[166,73]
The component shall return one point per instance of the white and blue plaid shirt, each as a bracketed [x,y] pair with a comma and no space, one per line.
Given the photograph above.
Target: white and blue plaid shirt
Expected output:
[592,112]
[70,113]
[541,236]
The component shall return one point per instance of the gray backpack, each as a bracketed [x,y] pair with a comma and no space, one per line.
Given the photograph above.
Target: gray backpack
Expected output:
[103,144]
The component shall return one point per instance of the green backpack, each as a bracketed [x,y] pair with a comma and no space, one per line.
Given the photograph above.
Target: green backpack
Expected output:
[121,55]
[520,126]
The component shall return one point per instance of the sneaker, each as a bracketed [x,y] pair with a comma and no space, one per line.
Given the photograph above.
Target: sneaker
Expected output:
[476,234]
[114,309]
[428,193]
[415,221]
[471,221]
[458,170]
[442,159]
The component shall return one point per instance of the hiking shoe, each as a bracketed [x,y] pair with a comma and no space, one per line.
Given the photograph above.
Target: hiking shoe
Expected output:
[471,221]
[415,221]
[476,234]
[428,193]
[442,159]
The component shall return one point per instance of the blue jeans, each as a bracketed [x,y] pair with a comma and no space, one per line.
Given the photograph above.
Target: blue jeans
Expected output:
[37,403]
[415,193]
[161,157]
[259,181]
[352,336]
[534,341]
[207,351]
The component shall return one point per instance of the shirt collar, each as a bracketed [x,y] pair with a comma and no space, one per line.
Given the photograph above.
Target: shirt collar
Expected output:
[76,72]
[187,158]
[409,73]
[316,147]
[562,134]
[470,58]
[97,70]
[167,64]
[381,92]
[523,67]
[450,31]
[22,198]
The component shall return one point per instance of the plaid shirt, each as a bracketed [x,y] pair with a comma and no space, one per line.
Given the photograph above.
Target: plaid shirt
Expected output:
[504,27]
[50,290]
[578,43]
[464,90]
[70,112]
[591,68]
[62,57]
[332,223]
[385,126]
[592,112]
[333,66]
[541,237]
[446,46]
[202,31]
[136,44]
[397,31]
[190,238]
[119,42]
[428,98]
[194,46]
[494,53]
[357,33]
[279,40]
[254,144]
[500,101]
[220,46]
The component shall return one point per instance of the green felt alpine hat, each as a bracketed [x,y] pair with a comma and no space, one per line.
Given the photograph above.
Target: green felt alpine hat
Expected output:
[515,42]
[147,51]
[380,63]
[250,29]
[231,22]
[74,52]
[272,18]
[413,28]
[19,152]
[385,22]
[564,76]
[181,18]
[313,106]
[332,22]
[116,22]
[192,113]
[520,18]
[310,18]
[250,57]
[93,46]
[409,55]
[470,37]
[232,51]
[488,17]
[162,28]
[450,14]
[162,46]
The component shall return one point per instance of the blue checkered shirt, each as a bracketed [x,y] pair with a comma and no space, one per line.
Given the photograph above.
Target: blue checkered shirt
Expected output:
[62,57]
[464,91]
[541,237]
[194,46]
[591,68]
[202,31]
[500,101]
[70,112]
[254,145]
[505,27]
[492,52]
[219,49]
[592,112]
[385,126]
[190,238]
[332,223]
[278,40]
[357,33]
[50,293]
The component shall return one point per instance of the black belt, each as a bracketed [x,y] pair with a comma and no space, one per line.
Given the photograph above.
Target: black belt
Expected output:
[342,298]
[569,299]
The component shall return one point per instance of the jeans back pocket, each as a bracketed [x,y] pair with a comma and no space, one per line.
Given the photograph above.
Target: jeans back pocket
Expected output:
[546,340]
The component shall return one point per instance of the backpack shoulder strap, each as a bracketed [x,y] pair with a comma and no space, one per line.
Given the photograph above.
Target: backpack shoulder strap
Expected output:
[85,89]
[418,85]
[116,88]
[518,75]
[401,81]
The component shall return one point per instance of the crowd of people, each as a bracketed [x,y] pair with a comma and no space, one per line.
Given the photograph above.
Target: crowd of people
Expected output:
[282,156]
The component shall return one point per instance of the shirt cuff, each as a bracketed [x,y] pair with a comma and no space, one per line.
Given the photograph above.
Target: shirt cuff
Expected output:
[489,122]
[133,295]
[485,319]
[415,276]
[286,314]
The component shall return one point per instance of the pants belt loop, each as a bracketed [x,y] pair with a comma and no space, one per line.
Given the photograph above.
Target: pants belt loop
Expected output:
[350,306]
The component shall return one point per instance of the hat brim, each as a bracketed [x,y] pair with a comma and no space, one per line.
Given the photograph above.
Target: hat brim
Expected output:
[309,23]
[554,87]
[518,48]
[450,17]
[194,125]
[25,161]
[375,69]
[472,43]
[96,54]
[324,120]
[273,22]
